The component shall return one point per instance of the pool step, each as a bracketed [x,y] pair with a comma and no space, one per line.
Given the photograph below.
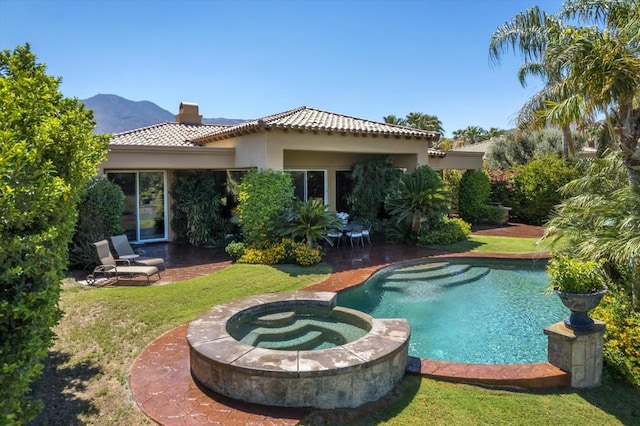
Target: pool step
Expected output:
[444,271]
[298,336]
[441,276]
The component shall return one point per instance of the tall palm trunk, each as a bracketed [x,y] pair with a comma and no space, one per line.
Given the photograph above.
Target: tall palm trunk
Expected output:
[568,149]
[630,145]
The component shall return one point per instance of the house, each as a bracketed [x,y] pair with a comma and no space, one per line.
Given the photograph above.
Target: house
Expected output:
[317,147]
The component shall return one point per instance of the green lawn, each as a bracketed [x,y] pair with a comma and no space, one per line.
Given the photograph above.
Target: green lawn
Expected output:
[105,329]
[490,244]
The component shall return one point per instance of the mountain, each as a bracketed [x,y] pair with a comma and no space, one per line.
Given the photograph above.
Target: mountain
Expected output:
[115,114]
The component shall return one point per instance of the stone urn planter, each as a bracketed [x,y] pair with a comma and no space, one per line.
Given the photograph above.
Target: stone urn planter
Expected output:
[580,286]
[580,305]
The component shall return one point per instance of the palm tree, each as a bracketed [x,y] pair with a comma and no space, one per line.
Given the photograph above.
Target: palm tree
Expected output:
[600,217]
[603,62]
[530,33]
[428,122]
[419,196]
[309,222]
[590,69]
[392,119]
[471,135]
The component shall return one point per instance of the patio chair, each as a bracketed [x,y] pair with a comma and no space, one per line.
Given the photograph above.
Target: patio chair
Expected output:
[111,269]
[335,235]
[355,233]
[366,233]
[125,252]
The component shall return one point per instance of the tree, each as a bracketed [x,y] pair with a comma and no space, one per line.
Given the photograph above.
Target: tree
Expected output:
[421,121]
[392,119]
[419,195]
[309,221]
[417,120]
[47,154]
[530,33]
[594,67]
[471,135]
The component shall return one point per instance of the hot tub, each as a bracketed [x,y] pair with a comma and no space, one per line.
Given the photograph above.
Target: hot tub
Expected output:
[344,369]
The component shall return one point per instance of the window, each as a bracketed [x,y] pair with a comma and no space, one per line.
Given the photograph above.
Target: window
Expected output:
[310,184]
[144,217]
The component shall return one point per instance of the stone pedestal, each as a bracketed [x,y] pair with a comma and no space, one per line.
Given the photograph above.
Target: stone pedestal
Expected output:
[577,352]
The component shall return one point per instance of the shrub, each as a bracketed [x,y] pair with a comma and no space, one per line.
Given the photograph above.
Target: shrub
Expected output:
[373,178]
[235,250]
[537,184]
[263,256]
[99,217]
[474,195]
[197,217]
[419,198]
[622,335]
[451,179]
[48,152]
[502,186]
[286,251]
[308,221]
[264,196]
[449,231]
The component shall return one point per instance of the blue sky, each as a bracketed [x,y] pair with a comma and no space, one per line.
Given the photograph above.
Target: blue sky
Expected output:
[251,58]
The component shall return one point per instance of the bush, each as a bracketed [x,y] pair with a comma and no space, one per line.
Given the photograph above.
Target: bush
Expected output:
[503,186]
[286,251]
[99,217]
[449,231]
[264,196]
[473,195]
[197,217]
[622,335]
[536,187]
[451,179]
[48,152]
[373,178]
[309,222]
[235,250]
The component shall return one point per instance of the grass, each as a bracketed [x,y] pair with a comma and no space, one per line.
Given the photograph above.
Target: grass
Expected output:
[491,244]
[104,330]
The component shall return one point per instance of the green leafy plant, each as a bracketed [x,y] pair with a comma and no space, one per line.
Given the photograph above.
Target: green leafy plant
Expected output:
[196,208]
[419,196]
[235,249]
[449,231]
[48,152]
[309,222]
[264,196]
[99,217]
[537,185]
[473,195]
[373,178]
[570,275]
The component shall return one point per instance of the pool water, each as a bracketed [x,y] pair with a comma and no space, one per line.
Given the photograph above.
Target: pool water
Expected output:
[299,329]
[472,312]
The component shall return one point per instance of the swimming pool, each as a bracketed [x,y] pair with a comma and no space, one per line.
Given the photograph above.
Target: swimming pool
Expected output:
[471,311]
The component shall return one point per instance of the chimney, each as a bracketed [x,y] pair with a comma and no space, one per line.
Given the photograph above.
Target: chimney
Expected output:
[188,114]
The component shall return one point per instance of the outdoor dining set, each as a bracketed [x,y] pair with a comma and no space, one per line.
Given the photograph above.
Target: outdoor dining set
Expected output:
[351,232]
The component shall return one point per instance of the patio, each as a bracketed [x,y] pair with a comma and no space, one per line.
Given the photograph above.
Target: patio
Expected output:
[162,385]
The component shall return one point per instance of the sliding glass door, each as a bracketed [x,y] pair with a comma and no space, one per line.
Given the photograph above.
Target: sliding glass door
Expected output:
[144,217]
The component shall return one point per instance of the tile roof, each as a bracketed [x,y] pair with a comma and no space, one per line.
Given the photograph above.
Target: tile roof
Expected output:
[164,134]
[310,119]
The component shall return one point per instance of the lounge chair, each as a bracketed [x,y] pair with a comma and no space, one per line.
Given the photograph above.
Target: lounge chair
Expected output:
[125,252]
[111,269]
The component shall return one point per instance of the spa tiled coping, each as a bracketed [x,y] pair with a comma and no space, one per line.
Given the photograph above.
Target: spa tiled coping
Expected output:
[373,364]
